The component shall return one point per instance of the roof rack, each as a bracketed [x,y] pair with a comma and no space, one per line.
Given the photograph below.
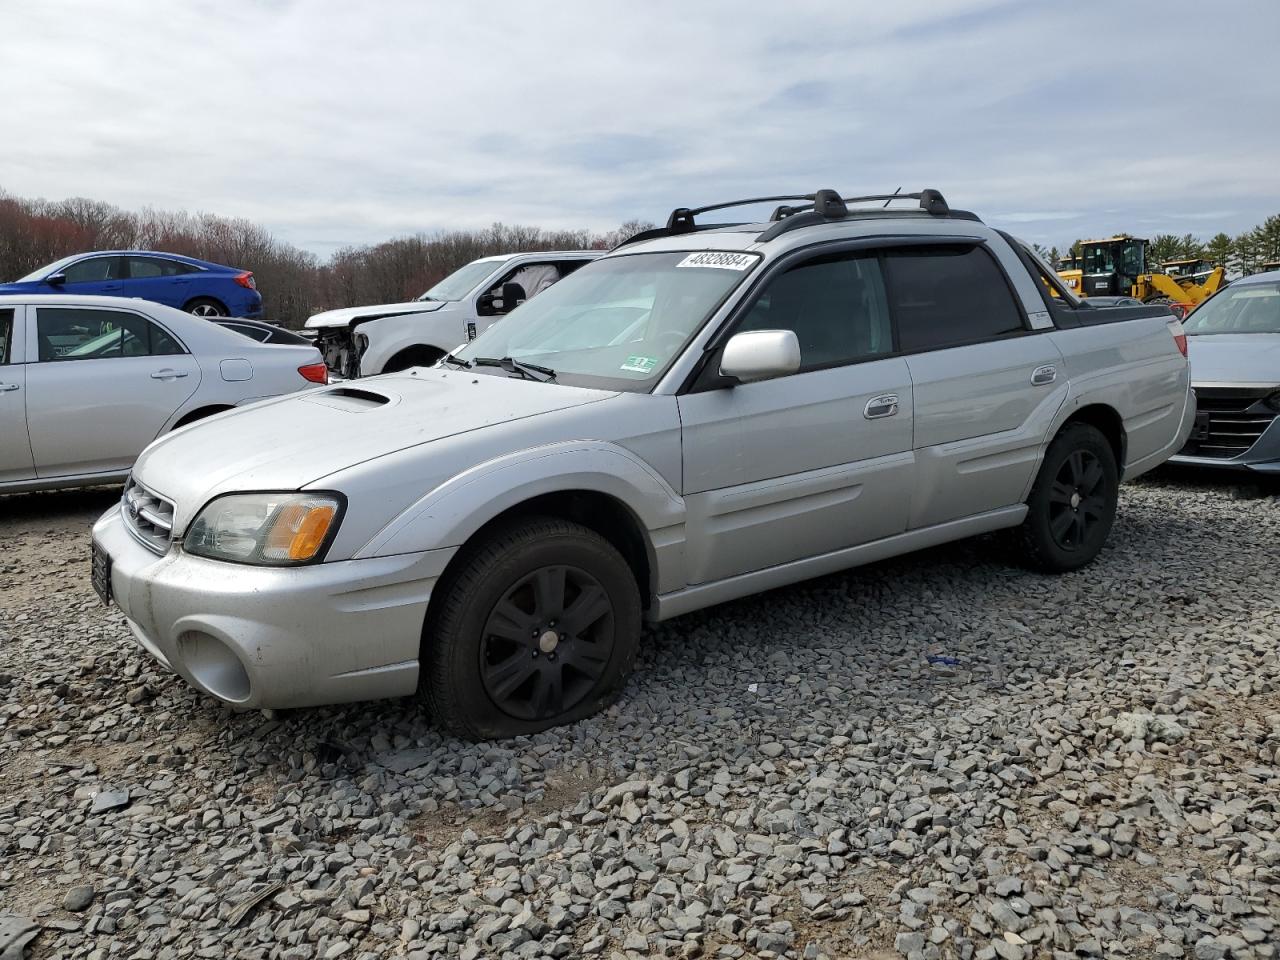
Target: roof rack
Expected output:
[822,206]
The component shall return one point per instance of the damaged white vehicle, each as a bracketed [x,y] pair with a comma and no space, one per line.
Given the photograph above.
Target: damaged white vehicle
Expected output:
[389,337]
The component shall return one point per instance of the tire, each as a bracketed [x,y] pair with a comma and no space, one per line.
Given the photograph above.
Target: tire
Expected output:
[493,662]
[1072,503]
[206,307]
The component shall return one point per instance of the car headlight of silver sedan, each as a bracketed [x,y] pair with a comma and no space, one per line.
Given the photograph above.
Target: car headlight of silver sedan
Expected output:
[270,529]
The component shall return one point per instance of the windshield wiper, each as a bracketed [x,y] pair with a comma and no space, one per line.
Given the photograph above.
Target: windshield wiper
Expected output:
[530,371]
[456,361]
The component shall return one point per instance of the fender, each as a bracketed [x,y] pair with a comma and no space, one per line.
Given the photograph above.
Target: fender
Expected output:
[451,513]
[441,329]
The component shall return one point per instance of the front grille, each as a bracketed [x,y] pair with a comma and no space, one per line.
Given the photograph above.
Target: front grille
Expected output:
[148,516]
[1229,421]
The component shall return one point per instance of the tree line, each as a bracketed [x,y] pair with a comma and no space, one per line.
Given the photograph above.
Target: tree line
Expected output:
[294,283]
[1240,255]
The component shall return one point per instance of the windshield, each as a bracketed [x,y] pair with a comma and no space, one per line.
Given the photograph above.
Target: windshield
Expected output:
[462,281]
[1248,308]
[42,272]
[618,322]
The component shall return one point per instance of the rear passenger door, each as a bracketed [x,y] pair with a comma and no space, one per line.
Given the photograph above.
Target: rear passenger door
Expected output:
[985,385]
[158,280]
[784,469]
[104,384]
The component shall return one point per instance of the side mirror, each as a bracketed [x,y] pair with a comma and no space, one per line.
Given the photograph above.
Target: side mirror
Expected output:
[57,279]
[760,355]
[493,304]
[512,296]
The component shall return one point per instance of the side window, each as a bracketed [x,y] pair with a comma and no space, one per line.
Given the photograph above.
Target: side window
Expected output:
[835,304]
[69,333]
[95,270]
[6,336]
[944,297]
[147,268]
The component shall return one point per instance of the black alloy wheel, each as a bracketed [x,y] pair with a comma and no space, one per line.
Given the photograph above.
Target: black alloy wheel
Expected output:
[547,643]
[1076,503]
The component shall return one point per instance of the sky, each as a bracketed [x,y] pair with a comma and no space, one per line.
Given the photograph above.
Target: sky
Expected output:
[337,123]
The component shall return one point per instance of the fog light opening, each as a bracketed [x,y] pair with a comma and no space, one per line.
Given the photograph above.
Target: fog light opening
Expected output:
[214,666]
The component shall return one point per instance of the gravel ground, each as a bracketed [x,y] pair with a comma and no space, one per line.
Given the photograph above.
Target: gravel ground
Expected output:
[939,756]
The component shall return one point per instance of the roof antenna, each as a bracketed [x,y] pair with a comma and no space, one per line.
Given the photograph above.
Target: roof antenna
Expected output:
[890,200]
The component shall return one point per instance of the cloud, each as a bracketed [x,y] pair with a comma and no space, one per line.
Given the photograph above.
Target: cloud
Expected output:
[335,123]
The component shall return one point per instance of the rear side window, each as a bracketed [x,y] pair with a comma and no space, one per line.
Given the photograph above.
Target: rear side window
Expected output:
[944,297]
[67,333]
[6,335]
[145,268]
[835,305]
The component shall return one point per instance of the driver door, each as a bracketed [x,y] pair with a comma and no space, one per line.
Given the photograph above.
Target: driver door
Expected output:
[821,460]
[15,447]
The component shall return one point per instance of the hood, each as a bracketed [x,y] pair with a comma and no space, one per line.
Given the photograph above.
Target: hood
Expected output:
[27,287]
[292,442]
[344,316]
[1234,358]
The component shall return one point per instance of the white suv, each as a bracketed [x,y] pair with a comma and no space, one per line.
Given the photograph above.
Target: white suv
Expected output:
[387,337]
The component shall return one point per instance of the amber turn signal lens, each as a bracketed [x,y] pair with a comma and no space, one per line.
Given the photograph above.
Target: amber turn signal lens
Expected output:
[299,531]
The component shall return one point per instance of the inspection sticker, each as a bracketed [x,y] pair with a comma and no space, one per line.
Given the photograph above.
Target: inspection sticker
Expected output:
[717,258]
[640,364]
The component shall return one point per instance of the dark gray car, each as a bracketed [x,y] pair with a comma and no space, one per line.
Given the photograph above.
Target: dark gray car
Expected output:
[1234,348]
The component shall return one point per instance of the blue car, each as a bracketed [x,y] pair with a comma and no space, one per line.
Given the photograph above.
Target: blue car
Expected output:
[196,286]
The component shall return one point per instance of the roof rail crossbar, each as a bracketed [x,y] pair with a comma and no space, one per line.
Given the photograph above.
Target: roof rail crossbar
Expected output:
[817,207]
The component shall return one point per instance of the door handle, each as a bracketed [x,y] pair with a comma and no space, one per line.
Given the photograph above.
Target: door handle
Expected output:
[168,374]
[9,387]
[1042,376]
[885,405]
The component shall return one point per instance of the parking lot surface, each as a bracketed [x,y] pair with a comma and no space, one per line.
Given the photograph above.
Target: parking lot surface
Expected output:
[938,756]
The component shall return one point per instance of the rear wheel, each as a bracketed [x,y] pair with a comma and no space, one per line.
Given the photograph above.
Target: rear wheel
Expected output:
[206,307]
[538,627]
[1073,502]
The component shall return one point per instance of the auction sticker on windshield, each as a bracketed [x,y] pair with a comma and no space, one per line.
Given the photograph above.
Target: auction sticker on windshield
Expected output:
[719,259]
[640,364]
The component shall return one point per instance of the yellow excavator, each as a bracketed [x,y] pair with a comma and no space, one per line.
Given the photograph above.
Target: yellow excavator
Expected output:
[1117,267]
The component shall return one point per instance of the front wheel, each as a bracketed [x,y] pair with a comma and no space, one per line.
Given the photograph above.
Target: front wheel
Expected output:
[538,627]
[1073,502]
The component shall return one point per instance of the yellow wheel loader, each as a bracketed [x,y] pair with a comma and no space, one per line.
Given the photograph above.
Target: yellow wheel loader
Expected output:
[1117,266]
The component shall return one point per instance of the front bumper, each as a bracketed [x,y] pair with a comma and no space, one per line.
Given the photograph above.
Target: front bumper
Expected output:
[275,637]
[1262,457]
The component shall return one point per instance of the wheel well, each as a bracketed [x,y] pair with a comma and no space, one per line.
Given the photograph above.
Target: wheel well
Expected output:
[600,512]
[214,300]
[200,414]
[419,355]
[1109,423]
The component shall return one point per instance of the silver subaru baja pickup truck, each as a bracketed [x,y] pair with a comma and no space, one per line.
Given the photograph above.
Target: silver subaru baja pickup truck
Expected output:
[709,411]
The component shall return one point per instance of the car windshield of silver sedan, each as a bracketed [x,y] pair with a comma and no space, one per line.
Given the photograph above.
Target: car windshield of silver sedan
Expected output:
[616,323]
[1246,308]
[461,282]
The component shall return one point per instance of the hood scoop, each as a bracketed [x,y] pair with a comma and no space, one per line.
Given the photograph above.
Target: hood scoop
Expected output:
[351,399]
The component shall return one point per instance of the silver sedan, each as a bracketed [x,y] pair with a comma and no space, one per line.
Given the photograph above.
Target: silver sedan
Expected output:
[1233,342]
[87,382]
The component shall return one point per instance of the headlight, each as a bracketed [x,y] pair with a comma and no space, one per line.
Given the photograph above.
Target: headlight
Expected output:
[272,529]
